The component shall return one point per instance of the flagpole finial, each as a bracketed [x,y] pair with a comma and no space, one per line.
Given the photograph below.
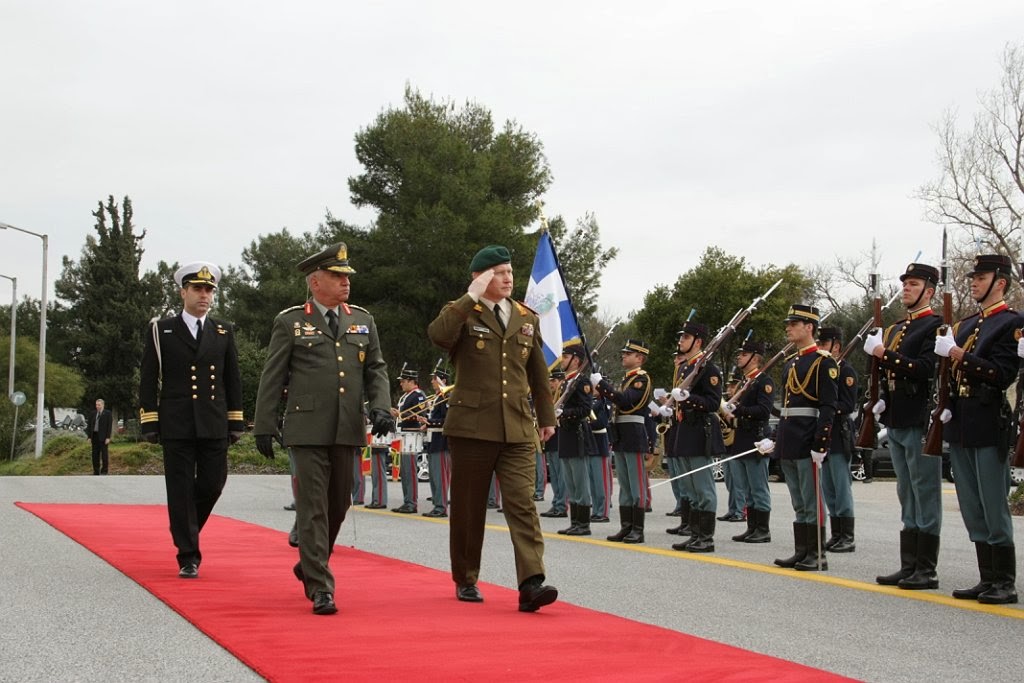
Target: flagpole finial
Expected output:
[543,218]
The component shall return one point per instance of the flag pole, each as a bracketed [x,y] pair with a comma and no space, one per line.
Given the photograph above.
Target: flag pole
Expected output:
[544,229]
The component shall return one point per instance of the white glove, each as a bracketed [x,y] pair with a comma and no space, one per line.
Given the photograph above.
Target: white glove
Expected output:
[729,408]
[654,408]
[944,344]
[595,378]
[666,411]
[659,394]
[1020,347]
[765,446]
[479,284]
[558,412]
[945,416]
[879,407]
[872,342]
[680,394]
[818,457]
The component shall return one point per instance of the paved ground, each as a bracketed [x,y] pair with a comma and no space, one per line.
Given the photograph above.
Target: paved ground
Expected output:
[67,615]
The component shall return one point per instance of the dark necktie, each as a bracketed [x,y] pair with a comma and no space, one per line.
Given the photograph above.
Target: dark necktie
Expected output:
[199,330]
[497,314]
[332,322]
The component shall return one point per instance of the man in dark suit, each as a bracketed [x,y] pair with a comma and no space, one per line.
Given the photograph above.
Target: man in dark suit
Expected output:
[191,394]
[100,425]
[328,353]
[495,346]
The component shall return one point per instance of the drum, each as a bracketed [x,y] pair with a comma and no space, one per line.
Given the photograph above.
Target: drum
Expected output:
[412,442]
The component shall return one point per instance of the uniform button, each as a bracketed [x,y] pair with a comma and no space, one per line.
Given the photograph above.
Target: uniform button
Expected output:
[337,343]
[212,397]
[341,390]
[339,358]
[213,376]
[193,378]
[193,368]
[341,374]
[194,387]
[213,367]
[194,397]
[504,395]
[504,381]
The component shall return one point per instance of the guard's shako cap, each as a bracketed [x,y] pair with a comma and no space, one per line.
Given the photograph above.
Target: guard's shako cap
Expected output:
[751,346]
[558,374]
[574,349]
[921,271]
[694,329]
[488,257]
[197,273]
[992,263]
[635,346]
[830,334]
[802,313]
[442,375]
[334,258]
[409,374]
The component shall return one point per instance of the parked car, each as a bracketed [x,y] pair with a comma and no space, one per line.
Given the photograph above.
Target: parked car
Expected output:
[882,460]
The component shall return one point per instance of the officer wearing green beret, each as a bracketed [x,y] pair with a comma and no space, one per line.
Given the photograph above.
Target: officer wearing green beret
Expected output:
[328,353]
[495,345]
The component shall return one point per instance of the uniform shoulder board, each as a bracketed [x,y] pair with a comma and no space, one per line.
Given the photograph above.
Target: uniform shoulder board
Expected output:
[524,309]
[824,353]
[641,372]
[292,308]
[358,308]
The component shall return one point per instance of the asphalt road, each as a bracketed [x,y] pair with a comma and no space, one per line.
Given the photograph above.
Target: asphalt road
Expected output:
[67,615]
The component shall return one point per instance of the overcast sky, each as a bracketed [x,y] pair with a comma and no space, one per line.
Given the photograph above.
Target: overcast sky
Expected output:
[780,131]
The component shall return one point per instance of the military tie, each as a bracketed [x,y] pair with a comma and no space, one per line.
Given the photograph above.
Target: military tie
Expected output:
[497,314]
[199,330]
[332,322]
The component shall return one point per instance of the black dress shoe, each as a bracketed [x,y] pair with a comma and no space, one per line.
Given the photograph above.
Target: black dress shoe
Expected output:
[468,593]
[189,571]
[323,603]
[599,519]
[492,506]
[293,537]
[541,497]
[375,506]
[405,509]
[554,513]
[299,574]
[435,513]
[534,596]
[290,507]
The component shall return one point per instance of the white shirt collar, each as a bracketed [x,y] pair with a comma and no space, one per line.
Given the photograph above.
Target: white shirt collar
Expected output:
[190,321]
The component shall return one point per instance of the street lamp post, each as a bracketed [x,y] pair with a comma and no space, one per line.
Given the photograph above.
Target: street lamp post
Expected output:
[14,327]
[42,340]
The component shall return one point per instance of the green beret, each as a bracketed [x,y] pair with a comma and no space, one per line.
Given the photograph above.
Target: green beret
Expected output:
[488,257]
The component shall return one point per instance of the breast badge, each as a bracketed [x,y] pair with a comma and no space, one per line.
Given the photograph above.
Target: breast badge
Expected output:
[480,344]
[833,373]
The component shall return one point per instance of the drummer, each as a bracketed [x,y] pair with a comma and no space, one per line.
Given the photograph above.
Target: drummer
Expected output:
[410,431]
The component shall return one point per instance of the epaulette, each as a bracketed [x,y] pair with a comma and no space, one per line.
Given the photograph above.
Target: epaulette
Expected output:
[825,353]
[522,306]
[359,308]
[641,371]
[292,308]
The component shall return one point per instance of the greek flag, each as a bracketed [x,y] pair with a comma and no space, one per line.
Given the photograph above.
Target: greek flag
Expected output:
[546,294]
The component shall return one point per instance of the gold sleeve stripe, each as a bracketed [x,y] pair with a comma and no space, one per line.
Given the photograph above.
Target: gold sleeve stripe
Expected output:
[149,417]
[235,415]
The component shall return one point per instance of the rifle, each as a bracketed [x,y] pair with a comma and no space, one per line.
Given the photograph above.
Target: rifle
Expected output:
[571,385]
[866,437]
[722,336]
[933,442]
[864,330]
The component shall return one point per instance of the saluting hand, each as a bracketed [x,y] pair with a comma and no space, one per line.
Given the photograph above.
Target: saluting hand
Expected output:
[479,284]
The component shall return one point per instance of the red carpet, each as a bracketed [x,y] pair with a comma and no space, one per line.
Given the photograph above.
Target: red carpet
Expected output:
[398,621]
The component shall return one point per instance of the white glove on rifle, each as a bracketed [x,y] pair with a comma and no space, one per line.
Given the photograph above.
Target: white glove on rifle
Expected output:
[479,284]
[1020,347]
[765,446]
[945,343]
[878,408]
[680,394]
[654,408]
[872,342]
[558,412]
[659,394]
[595,378]
[666,411]
[818,457]
[729,408]
[945,416]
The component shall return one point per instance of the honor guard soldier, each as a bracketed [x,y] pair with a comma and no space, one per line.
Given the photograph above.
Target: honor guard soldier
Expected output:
[410,409]
[698,436]
[750,416]
[497,350]
[905,353]
[439,460]
[599,463]
[835,473]
[191,394]
[630,440]
[328,352]
[804,434]
[983,354]
[559,494]
[673,458]
[575,442]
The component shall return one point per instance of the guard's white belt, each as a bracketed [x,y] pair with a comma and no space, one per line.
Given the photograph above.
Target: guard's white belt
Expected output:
[434,430]
[624,419]
[600,431]
[799,412]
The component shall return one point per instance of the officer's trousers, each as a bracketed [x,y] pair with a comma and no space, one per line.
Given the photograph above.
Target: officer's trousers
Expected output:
[982,481]
[836,486]
[750,474]
[633,484]
[801,479]
[918,480]
[700,487]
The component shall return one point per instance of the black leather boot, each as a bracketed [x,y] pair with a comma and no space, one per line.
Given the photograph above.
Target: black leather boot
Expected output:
[1004,575]
[751,525]
[573,519]
[833,523]
[762,530]
[582,527]
[984,553]
[705,542]
[924,576]
[693,525]
[626,521]
[844,543]
[800,535]
[815,536]
[908,559]
[636,534]
[684,521]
